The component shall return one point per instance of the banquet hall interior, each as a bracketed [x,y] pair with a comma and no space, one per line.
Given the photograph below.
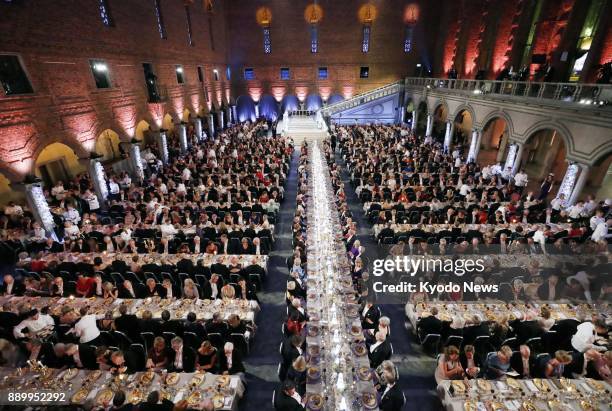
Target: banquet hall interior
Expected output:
[206,205]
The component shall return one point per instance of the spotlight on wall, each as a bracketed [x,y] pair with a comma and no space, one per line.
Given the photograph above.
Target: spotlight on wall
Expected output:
[179,69]
[215,71]
[418,64]
[101,67]
[477,92]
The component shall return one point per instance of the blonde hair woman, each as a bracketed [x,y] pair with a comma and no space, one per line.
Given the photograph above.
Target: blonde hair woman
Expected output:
[190,290]
[449,366]
[297,374]
[228,292]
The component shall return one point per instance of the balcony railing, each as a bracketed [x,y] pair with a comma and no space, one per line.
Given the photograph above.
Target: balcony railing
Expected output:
[363,98]
[581,93]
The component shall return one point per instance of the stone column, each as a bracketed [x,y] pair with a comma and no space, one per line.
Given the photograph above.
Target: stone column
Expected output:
[235,114]
[222,119]
[510,157]
[198,128]
[256,111]
[517,158]
[98,180]
[182,132]
[136,160]
[448,137]
[37,203]
[569,181]
[414,119]
[162,146]
[580,183]
[474,143]
[429,125]
[228,116]
[211,126]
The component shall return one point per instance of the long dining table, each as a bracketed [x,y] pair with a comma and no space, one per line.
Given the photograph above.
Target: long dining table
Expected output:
[77,387]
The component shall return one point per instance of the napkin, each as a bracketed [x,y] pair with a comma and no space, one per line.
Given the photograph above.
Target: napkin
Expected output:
[178,397]
[531,386]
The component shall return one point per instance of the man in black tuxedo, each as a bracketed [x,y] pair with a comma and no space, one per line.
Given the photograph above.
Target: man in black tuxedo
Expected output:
[370,316]
[169,325]
[477,329]
[380,350]
[153,403]
[392,398]
[429,324]
[387,231]
[181,357]
[230,361]
[527,328]
[127,323]
[11,287]
[292,348]
[523,363]
[148,324]
[583,365]
[193,326]
[565,329]
[288,399]
[216,325]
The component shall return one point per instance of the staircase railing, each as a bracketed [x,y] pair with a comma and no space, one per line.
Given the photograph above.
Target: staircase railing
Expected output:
[363,98]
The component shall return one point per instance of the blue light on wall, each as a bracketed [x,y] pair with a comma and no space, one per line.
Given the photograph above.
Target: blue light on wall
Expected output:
[245,106]
[314,102]
[290,103]
[268,108]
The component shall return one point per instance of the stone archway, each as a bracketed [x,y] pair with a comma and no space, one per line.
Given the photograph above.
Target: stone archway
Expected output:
[56,162]
[421,123]
[599,182]
[107,145]
[463,124]
[440,116]
[545,152]
[494,141]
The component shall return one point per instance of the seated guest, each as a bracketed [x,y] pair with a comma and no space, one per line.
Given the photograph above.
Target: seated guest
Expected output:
[155,403]
[297,374]
[230,361]
[294,325]
[57,289]
[152,289]
[468,362]
[157,357]
[380,350]
[553,367]
[128,291]
[296,307]
[381,374]
[181,358]
[170,325]
[190,290]
[369,316]
[289,399]
[429,324]
[32,325]
[246,291]
[128,323]
[148,324]
[523,363]
[109,291]
[11,287]
[85,286]
[119,402]
[449,366]
[216,325]
[476,329]
[168,289]
[527,328]
[392,398]
[207,357]
[194,326]
[81,356]
[211,288]
[498,364]
[292,348]
[584,365]
[587,335]
[545,321]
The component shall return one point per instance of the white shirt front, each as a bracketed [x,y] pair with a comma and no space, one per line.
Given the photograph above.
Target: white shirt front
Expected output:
[601,232]
[585,337]
[87,329]
[520,180]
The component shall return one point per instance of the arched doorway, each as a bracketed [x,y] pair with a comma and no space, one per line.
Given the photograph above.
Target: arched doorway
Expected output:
[463,123]
[246,108]
[268,108]
[494,141]
[57,162]
[168,122]
[439,121]
[186,114]
[7,193]
[544,152]
[334,98]
[107,145]
[421,124]
[313,102]
[142,130]
[599,181]
[289,103]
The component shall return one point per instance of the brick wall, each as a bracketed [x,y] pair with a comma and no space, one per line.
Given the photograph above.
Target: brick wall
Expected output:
[55,40]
